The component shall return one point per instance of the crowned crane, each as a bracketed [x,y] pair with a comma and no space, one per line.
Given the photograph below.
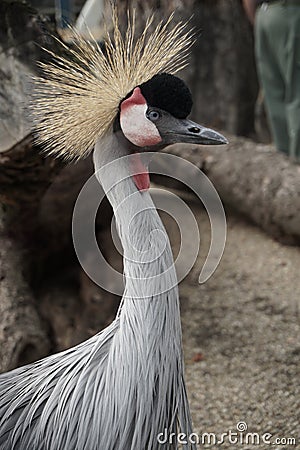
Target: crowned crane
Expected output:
[121,388]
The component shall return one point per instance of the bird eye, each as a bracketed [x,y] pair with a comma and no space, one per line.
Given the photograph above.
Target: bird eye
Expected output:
[153,115]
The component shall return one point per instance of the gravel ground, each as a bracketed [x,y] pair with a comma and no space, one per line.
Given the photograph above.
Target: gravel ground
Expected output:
[241,340]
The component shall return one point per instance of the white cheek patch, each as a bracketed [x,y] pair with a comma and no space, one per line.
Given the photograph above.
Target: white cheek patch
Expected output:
[136,127]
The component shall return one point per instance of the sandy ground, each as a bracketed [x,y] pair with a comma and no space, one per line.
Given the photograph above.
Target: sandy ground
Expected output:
[241,332]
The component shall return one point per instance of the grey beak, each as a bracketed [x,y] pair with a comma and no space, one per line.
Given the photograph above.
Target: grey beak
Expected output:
[173,130]
[208,136]
[191,132]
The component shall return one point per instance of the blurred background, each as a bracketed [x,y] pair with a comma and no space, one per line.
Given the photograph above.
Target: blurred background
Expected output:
[241,328]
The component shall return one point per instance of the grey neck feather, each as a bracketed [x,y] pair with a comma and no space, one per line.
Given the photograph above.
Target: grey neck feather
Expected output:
[148,261]
[149,315]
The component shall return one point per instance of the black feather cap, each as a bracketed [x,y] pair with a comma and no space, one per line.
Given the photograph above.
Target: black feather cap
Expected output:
[170,93]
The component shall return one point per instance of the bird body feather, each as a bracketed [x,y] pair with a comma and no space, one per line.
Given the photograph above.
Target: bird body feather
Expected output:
[124,386]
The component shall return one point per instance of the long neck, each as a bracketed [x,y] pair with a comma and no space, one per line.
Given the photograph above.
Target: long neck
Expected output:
[147,344]
[150,277]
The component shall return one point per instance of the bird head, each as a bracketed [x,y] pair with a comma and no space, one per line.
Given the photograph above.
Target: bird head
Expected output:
[155,115]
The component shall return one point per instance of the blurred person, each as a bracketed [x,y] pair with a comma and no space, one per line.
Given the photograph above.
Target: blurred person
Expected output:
[277,49]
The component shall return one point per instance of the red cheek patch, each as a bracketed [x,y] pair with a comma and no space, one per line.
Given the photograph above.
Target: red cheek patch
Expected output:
[136,127]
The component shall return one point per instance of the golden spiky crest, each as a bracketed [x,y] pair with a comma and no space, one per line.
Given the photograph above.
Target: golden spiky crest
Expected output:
[76,99]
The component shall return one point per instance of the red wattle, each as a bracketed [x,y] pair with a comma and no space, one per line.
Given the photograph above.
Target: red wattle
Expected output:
[140,173]
[142,181]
